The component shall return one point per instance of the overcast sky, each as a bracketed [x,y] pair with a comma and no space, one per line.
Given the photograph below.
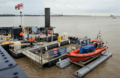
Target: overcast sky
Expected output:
[66,7]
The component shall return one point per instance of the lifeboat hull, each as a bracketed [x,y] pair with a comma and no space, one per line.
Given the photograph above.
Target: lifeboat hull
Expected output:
[76,59]
[75,56]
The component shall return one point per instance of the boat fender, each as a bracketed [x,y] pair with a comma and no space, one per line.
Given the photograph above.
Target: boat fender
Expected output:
[59,59]
[59,44]
[46,48]
[81,41]
[63,63]
[83,71]
[69,41]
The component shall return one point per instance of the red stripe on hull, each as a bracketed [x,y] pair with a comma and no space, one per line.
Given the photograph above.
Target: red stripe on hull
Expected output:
[75,59]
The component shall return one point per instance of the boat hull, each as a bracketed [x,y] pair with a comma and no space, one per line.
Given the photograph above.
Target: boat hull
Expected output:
[75,56]
[76,59]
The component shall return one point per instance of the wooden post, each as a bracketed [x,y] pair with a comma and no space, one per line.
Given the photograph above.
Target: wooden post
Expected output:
[51,35]
[41,51]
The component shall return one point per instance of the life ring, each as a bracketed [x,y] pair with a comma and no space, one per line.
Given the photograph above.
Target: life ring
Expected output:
[49,31]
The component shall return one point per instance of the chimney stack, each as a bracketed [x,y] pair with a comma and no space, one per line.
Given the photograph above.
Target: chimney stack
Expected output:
[47,17]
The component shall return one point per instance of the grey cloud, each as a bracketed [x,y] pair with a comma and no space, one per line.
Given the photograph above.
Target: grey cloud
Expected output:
[63,6]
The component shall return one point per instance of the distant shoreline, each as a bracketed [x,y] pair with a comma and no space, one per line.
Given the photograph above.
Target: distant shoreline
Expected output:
[60,15]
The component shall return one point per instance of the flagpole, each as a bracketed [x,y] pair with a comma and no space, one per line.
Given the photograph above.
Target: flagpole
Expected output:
[23,16]
[23,21]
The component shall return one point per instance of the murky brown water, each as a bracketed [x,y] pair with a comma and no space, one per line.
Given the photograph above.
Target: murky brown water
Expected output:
[80,27]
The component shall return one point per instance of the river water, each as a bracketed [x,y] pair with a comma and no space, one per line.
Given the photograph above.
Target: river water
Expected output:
[80,27]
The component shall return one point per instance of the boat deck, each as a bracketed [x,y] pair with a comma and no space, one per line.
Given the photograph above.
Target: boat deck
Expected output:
[39,57]
[45,57]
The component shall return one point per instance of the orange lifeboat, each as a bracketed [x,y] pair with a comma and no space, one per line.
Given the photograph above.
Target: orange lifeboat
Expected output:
[75,56]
